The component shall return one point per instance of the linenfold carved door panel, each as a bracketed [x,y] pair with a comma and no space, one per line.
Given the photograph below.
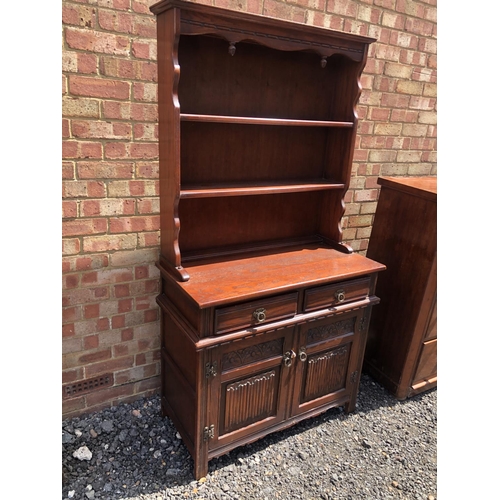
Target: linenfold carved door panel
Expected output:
[327,355]
[249,391]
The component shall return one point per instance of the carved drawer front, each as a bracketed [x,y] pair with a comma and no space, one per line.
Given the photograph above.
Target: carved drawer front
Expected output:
[336,294]
[228,319]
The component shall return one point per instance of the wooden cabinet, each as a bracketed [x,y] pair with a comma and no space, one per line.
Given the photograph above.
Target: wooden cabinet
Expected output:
[264,309]
[292,372]
[402,344]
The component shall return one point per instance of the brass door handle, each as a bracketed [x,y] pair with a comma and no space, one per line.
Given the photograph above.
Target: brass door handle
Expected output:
[288,358]
[259,315]
[302,354]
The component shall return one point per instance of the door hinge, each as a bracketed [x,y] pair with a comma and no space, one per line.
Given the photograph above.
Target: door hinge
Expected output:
[211,369]
[208,433]
[353,377]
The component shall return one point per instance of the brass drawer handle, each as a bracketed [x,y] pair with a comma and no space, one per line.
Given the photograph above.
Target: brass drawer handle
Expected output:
[288,357]
[340,295]
[260,315]
[302,354]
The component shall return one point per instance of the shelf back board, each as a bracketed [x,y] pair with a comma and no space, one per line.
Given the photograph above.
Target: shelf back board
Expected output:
[258,81]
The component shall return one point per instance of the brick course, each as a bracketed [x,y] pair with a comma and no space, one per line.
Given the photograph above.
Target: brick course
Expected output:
[110,232]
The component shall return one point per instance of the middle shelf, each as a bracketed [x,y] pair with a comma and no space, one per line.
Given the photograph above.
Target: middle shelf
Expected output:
[249,189]
[246,158]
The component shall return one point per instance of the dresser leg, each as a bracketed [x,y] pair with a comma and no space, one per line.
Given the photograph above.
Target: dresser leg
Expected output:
[200,468]
[350,406]
[164,412]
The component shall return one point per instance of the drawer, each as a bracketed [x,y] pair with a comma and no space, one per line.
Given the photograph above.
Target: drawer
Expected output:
[336,294]
[258,312]
[427,363]
[431,331]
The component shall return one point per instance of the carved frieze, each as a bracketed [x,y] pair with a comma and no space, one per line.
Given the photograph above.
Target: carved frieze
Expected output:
[331,330]
[252,354]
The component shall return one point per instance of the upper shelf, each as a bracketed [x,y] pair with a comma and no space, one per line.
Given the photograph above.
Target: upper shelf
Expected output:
[247,120]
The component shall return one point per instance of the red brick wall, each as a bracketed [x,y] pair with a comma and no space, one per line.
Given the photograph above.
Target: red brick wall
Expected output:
[110,166]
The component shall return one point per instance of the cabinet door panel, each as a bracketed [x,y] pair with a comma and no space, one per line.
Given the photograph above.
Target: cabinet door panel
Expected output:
[325,373]
[326,366]
[249,400]
[250,393]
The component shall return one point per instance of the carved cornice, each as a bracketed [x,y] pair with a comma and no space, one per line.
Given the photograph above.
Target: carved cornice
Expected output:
[256,34]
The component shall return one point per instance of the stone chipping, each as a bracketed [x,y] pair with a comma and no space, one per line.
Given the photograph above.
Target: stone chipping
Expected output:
[386,449]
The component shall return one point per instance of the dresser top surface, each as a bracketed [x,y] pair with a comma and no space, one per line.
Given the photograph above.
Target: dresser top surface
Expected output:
[244,278]
[420,186]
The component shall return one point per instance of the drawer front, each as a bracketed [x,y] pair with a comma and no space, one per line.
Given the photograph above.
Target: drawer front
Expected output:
[336,294]
[427,363]
[431,332]
[259,312]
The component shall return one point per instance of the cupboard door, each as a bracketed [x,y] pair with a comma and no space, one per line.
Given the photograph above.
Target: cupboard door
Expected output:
[327,358]
[249,392]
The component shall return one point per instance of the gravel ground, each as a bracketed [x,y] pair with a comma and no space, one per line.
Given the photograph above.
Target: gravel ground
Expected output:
[385,449]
